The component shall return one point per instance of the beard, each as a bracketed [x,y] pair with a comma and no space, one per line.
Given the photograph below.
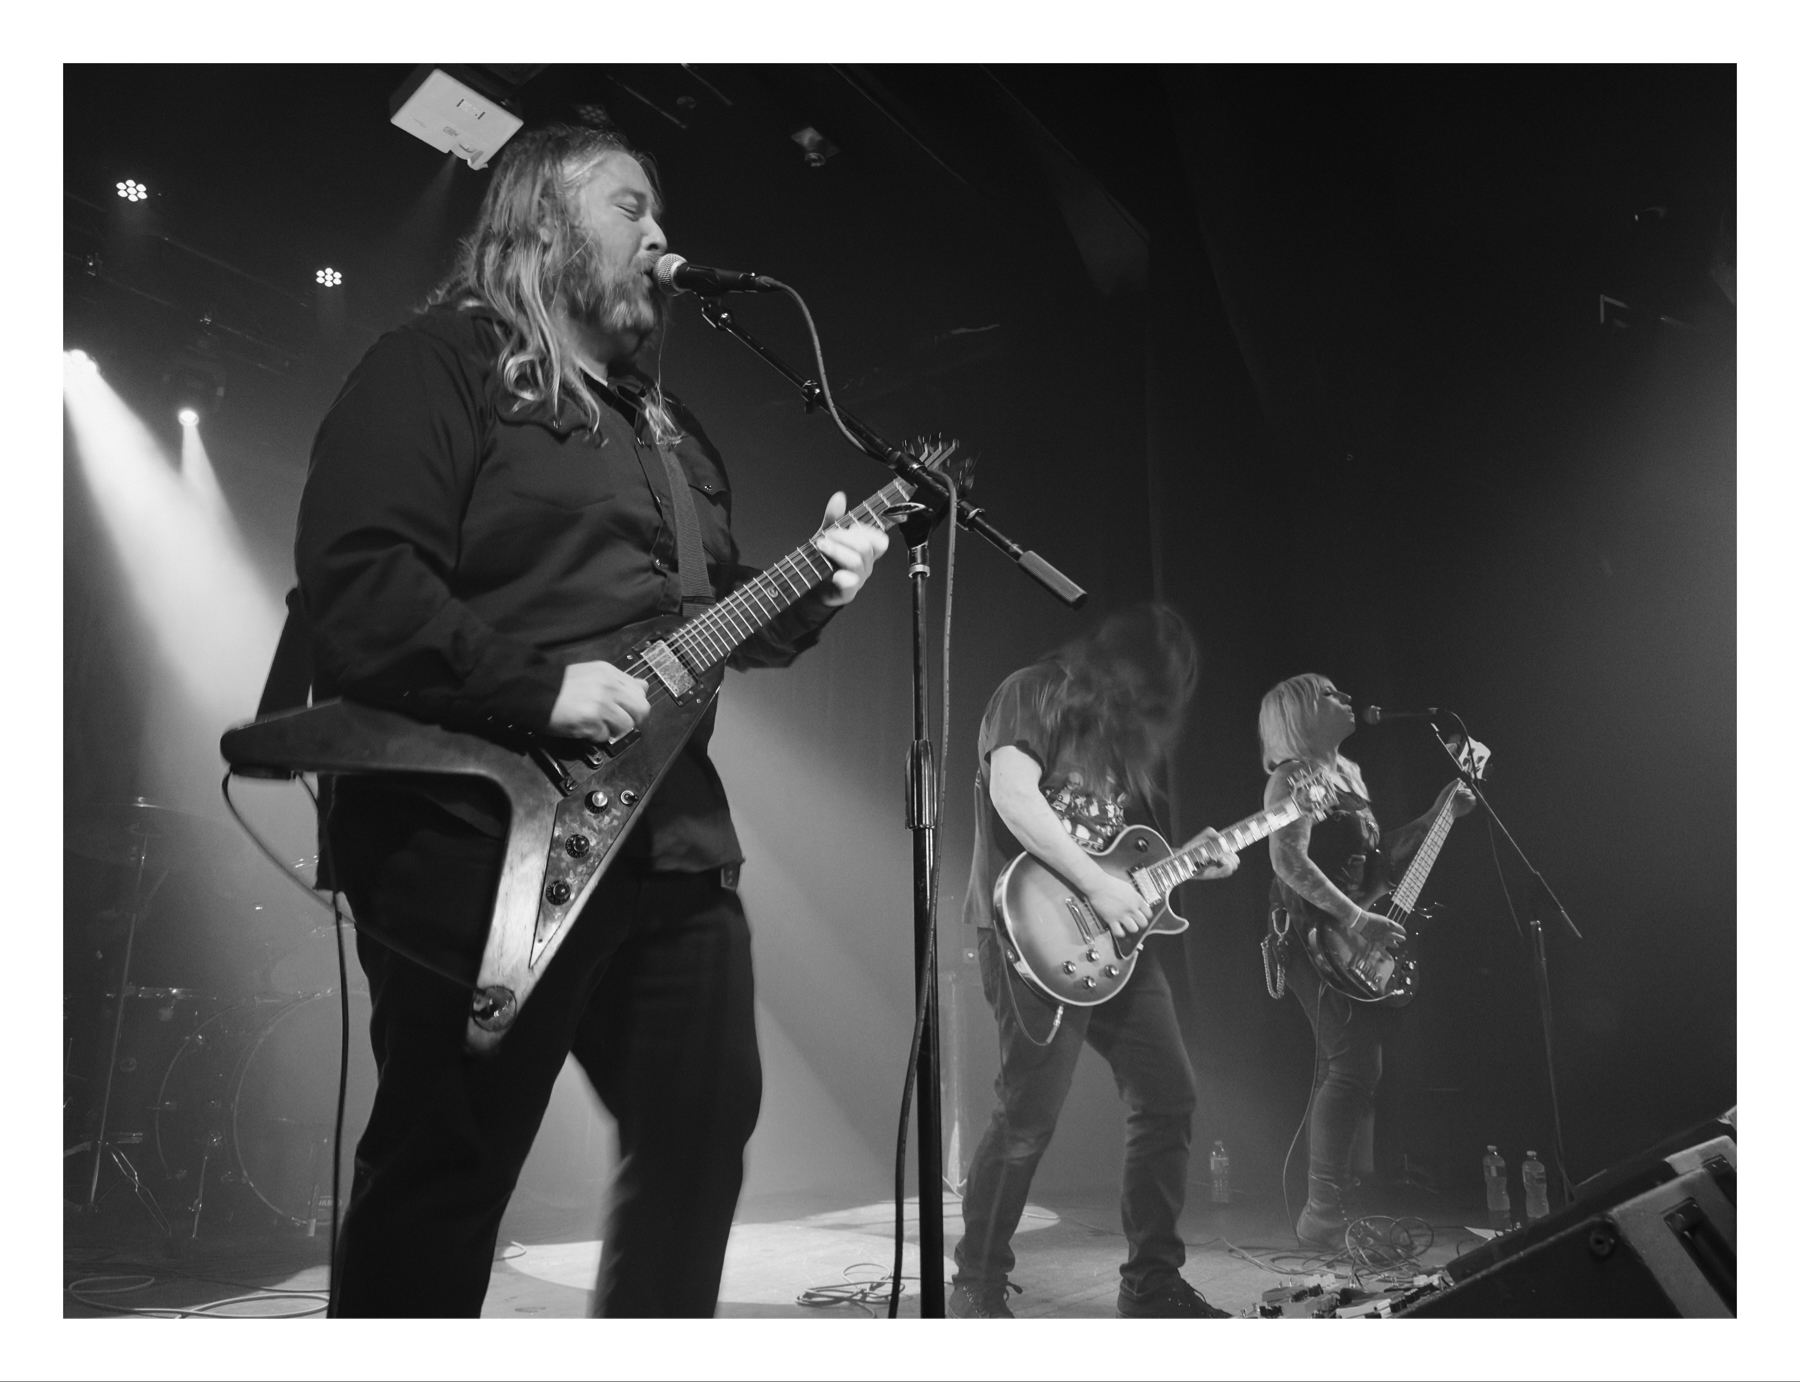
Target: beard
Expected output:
[615,299]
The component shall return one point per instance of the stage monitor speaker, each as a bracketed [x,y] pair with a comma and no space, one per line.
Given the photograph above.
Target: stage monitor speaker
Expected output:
[1657,1236]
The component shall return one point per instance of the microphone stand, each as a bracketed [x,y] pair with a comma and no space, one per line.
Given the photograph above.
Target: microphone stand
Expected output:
[921,777]
[1542,900]
[971,517]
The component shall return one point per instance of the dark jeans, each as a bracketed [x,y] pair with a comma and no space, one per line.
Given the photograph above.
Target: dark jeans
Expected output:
[1348,1067]
[651,992]
[1138,1036]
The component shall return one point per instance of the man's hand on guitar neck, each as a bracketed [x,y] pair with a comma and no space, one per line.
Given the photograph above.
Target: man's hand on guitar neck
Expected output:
[598,703]
[853,549]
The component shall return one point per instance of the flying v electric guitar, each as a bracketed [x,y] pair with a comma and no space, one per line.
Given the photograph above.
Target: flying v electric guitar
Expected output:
[572,802]
[1057,942]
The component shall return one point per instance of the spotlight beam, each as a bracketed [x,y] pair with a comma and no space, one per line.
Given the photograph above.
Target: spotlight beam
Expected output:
[211,616]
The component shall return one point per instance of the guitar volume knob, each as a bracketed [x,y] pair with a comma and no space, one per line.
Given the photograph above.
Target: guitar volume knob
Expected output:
[1112,971]
[1068,967]
[597,801]
[1089,982]
[1093,954]
[577,845]
[559,892]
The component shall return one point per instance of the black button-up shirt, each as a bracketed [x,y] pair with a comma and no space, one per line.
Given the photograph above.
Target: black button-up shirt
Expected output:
[452,538]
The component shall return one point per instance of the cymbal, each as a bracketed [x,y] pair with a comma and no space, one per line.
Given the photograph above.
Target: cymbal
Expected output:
[122,832]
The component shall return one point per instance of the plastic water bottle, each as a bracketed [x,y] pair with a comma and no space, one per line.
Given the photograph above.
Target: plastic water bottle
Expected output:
[1221,1174]
[1537,1188]
[1499,1203]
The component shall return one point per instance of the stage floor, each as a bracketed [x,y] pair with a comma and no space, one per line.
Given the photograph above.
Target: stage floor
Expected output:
[1068,1247]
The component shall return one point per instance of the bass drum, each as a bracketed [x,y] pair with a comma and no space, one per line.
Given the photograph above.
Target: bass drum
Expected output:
[250,1098]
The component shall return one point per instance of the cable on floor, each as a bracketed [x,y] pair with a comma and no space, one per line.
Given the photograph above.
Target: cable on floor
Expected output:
[861,1292]
[88,1288]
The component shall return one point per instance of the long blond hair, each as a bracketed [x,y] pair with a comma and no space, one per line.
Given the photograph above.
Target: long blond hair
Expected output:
[519,259]
[1281,723]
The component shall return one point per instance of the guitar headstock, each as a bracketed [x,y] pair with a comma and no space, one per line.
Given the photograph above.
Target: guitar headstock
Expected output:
[936,453]
[894,504]
[1312,792]
[1471,757]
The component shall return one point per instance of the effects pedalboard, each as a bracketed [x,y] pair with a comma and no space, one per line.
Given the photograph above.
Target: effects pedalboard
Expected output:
[1329,1298]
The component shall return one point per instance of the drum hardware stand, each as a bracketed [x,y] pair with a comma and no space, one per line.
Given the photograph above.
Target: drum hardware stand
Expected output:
[936,496]
[103,1145]
[1543,901]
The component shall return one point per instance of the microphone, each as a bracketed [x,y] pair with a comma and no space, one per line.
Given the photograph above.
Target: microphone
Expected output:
[1374,714]
[675,275]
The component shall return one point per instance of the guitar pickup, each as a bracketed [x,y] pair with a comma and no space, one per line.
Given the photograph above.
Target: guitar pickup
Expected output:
[668,668]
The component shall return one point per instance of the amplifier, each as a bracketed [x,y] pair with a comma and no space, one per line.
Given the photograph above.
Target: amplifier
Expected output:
[1655,1236]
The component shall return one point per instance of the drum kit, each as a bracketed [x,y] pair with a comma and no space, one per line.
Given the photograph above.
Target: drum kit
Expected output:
[216,1099]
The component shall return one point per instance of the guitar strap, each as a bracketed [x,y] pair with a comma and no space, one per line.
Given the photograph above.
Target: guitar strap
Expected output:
[690,555]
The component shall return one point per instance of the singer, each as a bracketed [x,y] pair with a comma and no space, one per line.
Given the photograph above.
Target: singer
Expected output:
[501,477]
[1339,867]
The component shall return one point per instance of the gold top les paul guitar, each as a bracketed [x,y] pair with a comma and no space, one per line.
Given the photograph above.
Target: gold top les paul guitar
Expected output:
[1057,942]
[572,802]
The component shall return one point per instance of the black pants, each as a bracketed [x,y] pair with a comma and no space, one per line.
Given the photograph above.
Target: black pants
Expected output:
[1137,1034]
[1347,1069]
[651,992]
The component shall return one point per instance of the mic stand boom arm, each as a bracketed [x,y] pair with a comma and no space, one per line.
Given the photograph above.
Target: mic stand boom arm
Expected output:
[971,517]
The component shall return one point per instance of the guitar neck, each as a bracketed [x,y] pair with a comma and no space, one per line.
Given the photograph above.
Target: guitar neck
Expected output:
[1187,861]
[711,637]
[1414,882]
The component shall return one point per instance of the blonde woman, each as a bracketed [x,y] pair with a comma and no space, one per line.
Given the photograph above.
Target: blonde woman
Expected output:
[1339,867]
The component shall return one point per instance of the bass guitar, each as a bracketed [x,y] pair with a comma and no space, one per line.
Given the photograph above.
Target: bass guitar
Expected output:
[1373,971]
[572,802]
[1057,942]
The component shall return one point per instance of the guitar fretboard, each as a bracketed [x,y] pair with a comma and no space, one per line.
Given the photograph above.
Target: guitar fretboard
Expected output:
[1168,874]
[710,637]
[1414,882]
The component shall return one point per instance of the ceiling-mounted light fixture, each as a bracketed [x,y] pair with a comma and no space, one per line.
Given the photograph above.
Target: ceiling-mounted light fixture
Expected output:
[816,146]
[452,116]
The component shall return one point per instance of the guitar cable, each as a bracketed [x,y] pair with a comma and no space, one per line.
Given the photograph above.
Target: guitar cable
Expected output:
[337,931]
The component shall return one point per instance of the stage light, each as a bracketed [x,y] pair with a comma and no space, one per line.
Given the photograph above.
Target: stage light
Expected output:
[452,117]
[328,278]
[133,191]
[208,608]
[188,417]
[85,361]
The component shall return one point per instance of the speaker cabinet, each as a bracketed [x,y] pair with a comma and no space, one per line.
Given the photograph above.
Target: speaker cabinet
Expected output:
[1657,1236]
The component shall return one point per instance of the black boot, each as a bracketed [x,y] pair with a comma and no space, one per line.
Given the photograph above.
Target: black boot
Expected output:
[1322,1223]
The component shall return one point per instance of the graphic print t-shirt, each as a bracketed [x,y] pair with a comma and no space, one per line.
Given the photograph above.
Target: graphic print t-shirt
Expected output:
[1092,814]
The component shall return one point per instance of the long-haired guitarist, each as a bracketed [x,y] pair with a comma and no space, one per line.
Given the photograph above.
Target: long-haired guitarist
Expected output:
[1069,752]
[1339,868]
[499,479]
